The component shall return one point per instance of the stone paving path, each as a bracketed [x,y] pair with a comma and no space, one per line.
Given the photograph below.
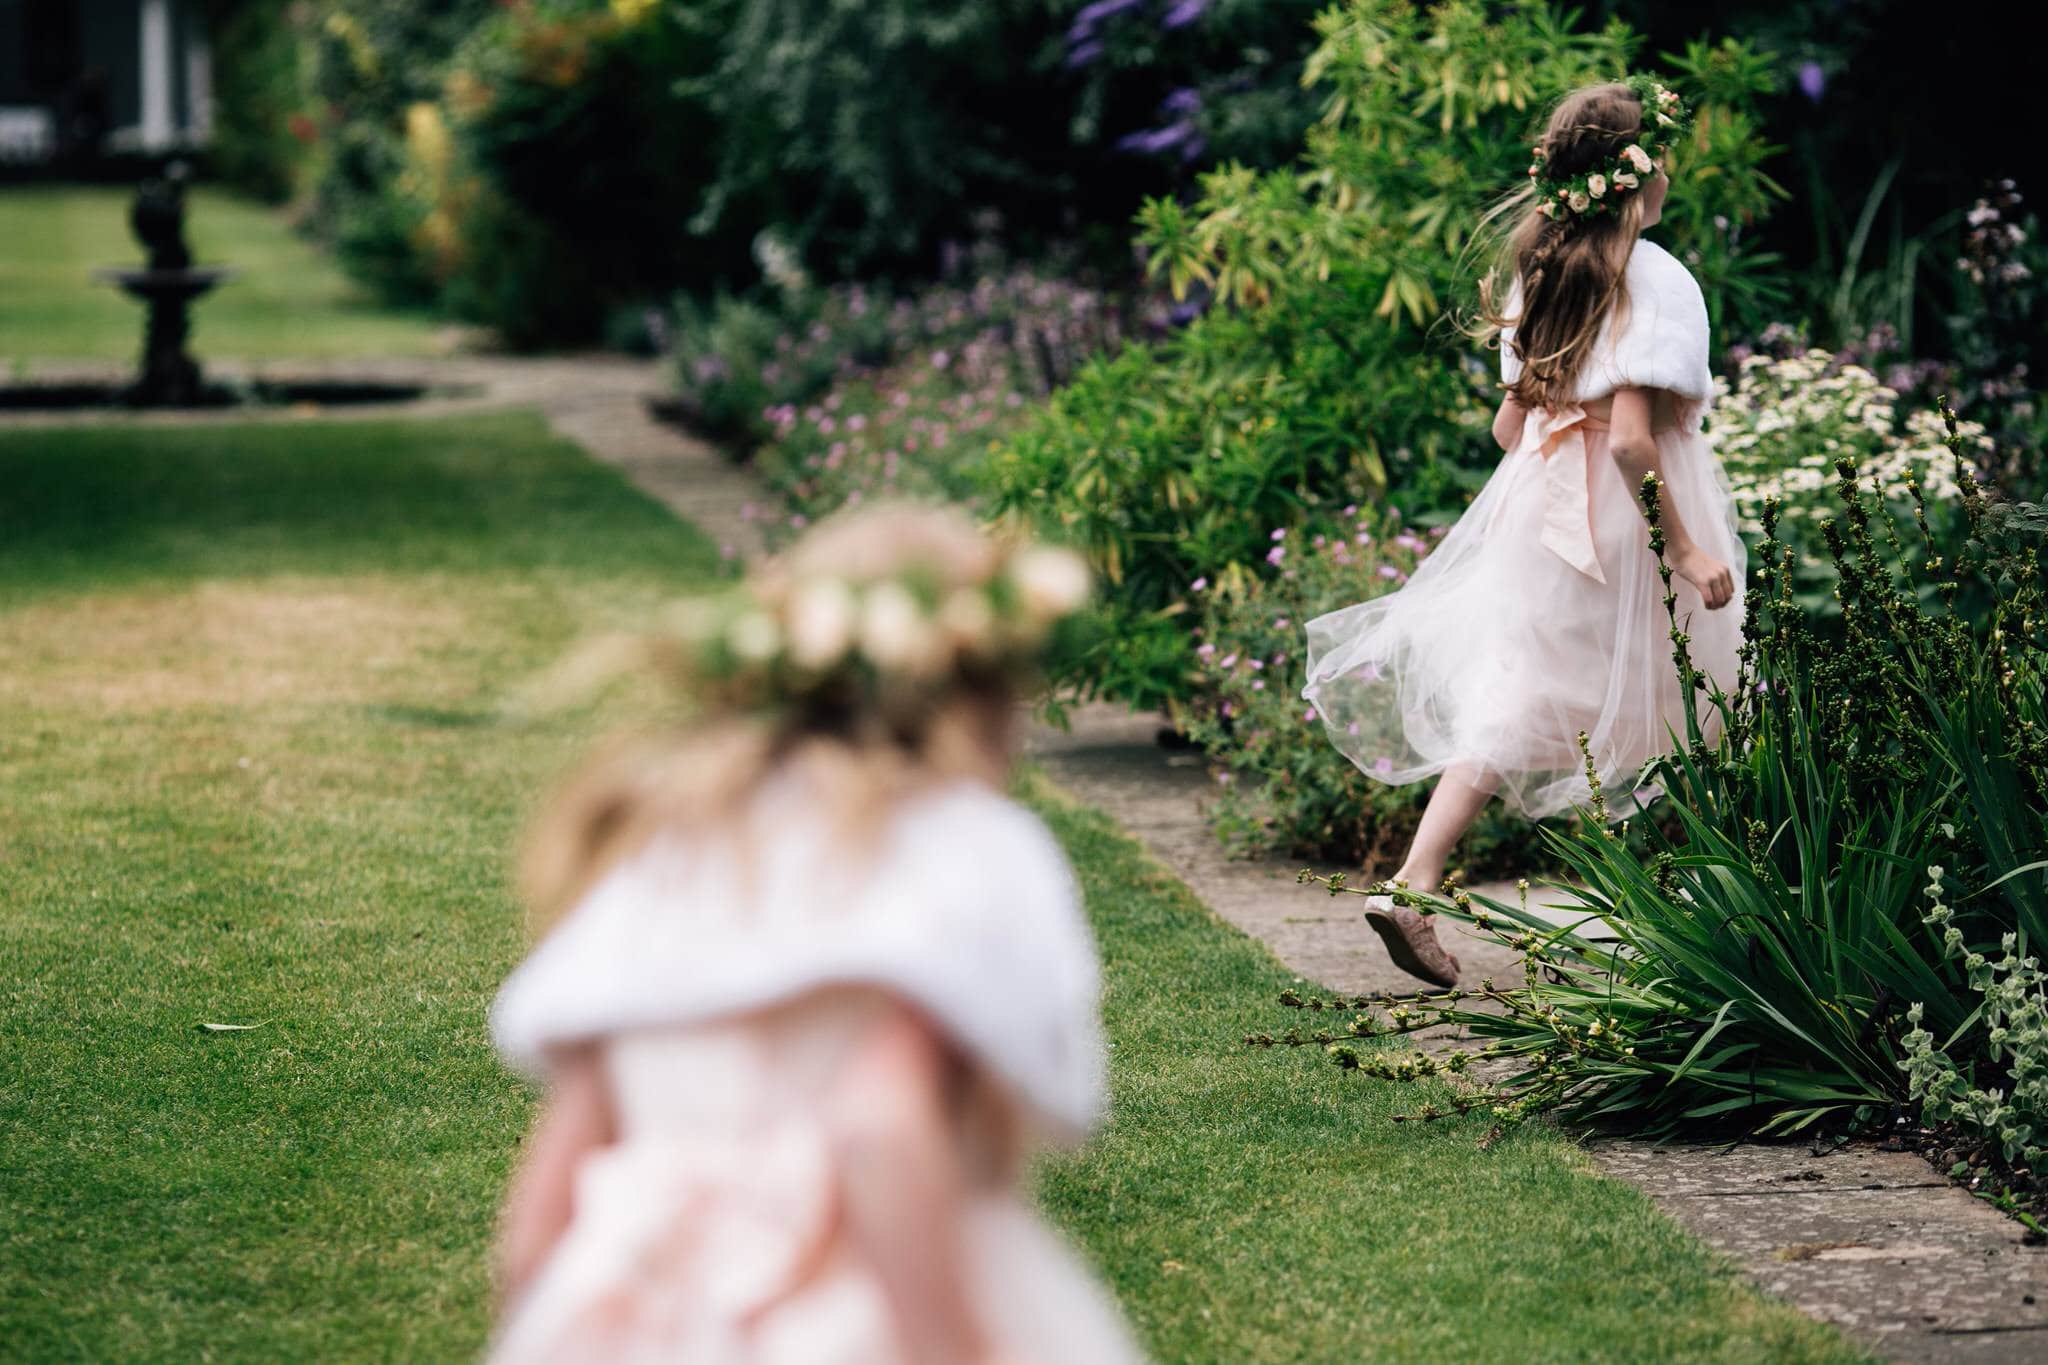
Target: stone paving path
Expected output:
[1873,1241]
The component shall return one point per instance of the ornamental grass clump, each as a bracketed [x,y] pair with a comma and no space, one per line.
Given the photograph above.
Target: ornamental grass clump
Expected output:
[1766,961]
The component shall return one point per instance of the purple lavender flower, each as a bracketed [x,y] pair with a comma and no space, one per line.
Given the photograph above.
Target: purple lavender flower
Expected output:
[1812,80]
[1184,13]
[1184,101]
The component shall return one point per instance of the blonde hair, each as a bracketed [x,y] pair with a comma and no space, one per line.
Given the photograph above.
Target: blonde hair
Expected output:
[860,761]
[1572,269]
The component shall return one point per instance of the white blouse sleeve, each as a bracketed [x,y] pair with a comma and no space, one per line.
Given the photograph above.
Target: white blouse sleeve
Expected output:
[968,910]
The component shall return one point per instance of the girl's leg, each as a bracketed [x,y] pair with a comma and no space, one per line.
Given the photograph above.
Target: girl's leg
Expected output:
[1461,793]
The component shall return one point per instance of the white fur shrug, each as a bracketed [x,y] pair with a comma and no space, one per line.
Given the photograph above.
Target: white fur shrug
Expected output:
[1662,346]
[962,904]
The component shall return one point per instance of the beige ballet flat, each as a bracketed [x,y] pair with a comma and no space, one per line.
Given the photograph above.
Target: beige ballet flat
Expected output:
[1411,942]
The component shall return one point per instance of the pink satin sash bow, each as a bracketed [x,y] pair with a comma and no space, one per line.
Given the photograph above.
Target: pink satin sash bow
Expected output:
[1558,438]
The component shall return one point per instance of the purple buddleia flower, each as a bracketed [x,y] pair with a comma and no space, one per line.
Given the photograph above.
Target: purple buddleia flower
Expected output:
[1104,9]
[1184,101]
[1154,140]
[1193,147]
[1184,13]
[1082,55]
[1812,80]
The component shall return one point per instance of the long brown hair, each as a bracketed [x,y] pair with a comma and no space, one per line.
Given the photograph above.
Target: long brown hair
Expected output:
[1571,269]
[859,762]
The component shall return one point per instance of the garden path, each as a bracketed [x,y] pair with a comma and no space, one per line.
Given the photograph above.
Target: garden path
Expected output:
[1873,1241]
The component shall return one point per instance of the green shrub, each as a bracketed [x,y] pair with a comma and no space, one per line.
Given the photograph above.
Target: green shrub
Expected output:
[262,129]
[578,158]
[1323,380]
[1281,784]
[1771,964]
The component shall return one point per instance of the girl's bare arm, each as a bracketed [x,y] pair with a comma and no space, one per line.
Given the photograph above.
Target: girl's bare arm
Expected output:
[575,1119]
[905,1187]
[1634,449]
[1507,423]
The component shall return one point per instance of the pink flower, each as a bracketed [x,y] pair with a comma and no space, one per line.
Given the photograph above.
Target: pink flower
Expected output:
[1276,554]
[1280,534]
[1352,729]
[1279,623]
[1227,661]
[1365,537]
[1383,766]
[1198,585]
[1389,571]
[1258,684]
[1206,652]
[1309,715]
[1258,663]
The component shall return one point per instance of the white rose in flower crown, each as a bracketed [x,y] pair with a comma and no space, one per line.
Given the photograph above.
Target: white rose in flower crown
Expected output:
[967,619]
[822,614]
[1052,582]
[1625,180]
[1639,158]
[754,637]
[895,634]
[1596,185]
[1665,120]
[1578,201]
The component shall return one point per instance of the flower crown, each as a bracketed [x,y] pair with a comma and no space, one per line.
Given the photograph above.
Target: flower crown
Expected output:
[1597,190]
[775,643]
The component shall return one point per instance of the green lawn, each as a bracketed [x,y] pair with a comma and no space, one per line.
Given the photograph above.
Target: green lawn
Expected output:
[251,772]
[289,300]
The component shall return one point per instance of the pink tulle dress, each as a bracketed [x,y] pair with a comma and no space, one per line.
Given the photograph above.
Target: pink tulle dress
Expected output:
[1540,614]
[726,986]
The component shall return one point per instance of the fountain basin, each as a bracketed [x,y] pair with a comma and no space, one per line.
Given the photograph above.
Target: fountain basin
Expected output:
[171,286]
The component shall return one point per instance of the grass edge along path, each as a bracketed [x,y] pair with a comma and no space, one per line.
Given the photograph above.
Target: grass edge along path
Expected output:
[1264,1206]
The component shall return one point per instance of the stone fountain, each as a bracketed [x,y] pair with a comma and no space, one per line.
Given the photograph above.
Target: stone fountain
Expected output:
[167,286]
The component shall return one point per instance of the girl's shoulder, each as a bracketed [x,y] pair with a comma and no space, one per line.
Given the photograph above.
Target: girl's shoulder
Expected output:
[1654,269]
[959,900]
